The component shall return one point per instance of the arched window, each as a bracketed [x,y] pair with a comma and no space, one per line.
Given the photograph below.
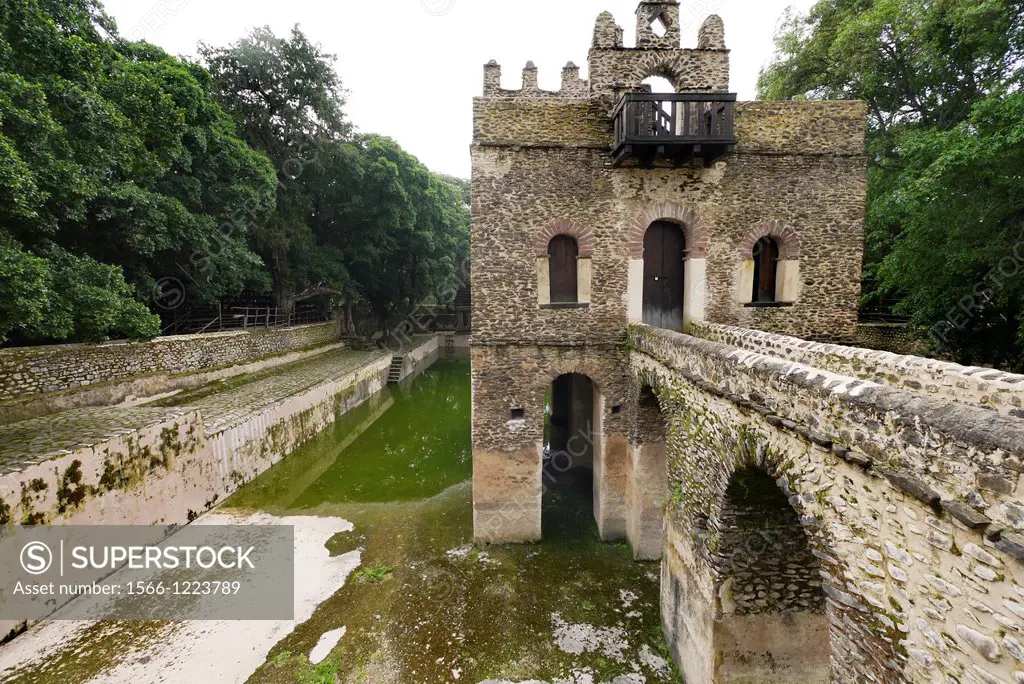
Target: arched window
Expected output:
[563,253]
[766,263]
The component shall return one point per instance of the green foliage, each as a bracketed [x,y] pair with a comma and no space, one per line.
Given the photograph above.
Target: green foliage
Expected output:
[116,168]
[121,167]
[356,214]
[325,672]
[944,223]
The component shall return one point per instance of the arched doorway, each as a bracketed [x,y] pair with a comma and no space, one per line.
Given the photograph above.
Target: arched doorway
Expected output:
[664,252]
[571,432]
[771,623]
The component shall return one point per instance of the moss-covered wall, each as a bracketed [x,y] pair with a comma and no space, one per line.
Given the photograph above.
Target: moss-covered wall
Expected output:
[986,387]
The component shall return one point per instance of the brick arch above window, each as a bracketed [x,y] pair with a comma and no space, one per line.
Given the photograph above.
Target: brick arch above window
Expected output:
[697,240]
[784,235]
[584,237]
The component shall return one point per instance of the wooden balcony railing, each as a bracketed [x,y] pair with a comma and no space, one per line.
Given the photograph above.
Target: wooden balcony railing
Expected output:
[677,127]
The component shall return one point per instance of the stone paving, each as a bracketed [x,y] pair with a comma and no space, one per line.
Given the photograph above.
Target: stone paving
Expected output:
[37,440]
[222,409]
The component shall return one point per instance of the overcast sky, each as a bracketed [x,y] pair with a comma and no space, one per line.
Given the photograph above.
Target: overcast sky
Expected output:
[412,66]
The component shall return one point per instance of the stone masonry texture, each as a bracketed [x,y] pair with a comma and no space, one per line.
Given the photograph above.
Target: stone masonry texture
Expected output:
[34,370]
[827,513]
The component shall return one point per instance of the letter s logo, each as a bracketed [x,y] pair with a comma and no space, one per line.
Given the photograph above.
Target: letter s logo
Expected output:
[36,558]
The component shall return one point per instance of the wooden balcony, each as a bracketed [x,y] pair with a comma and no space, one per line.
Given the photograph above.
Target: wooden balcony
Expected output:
[675,127]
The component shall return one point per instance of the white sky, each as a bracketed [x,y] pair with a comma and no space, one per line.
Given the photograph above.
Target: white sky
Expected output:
[412,66]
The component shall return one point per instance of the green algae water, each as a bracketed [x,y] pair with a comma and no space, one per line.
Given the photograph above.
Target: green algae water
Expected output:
[428,605]
[406,443]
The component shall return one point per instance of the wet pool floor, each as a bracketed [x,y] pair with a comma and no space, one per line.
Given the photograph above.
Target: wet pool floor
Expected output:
[424,604]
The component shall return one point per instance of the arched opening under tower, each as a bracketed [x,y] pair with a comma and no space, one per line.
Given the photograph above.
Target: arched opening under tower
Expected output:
[770,614]
[664,275]
[571,432]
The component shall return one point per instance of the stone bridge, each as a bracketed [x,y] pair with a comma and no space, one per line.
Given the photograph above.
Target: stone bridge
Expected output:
[823,513]
[831,508]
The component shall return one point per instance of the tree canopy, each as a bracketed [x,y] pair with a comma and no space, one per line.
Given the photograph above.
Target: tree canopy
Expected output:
[355,212]
[121,167]
[942,79]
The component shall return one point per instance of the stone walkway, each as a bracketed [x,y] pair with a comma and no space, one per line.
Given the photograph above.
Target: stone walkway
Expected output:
[239,399]
[222,403]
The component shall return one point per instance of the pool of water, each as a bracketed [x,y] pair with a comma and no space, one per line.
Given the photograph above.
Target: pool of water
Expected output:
[428,605]
[407,443]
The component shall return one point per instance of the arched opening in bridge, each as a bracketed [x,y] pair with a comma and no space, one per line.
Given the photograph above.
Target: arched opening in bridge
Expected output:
[648,485]
[771,622]
[664,253]
[571,430]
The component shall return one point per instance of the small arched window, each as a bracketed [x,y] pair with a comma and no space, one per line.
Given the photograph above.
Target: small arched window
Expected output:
[766,264]
[563,253]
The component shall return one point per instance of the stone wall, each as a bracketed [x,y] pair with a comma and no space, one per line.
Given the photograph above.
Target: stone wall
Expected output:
[167,466]
[985,387]
[798,174]
[911,504]
[27,371]
[509,386]
[898,338]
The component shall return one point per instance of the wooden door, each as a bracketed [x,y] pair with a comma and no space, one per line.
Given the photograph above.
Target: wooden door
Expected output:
[766,260]
[562,255]
[664,249]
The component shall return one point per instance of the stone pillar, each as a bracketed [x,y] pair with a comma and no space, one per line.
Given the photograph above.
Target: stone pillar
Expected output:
[530,79]
[492,78]
[712,34]
[572,84]
[607,34]
[507,495]
[648,14]
[647,479]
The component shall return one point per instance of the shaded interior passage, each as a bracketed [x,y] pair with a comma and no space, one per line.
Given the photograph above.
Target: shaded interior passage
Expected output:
[568,470]
[771,607]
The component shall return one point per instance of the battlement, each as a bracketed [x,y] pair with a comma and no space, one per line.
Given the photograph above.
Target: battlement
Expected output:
[572,85]
[616,70]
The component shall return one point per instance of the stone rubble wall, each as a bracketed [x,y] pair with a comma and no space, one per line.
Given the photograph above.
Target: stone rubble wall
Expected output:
[507,451]
[28,371]
[911,504]
[539,162]
[898,338]
[992,389]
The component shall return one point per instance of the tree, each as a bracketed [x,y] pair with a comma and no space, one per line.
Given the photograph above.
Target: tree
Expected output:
[942,80]
[356,214]
[287,101]
[118,170]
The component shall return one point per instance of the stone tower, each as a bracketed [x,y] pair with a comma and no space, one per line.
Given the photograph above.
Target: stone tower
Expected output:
[601,205]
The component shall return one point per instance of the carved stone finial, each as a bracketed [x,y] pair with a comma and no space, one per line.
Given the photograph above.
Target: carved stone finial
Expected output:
[530,78]
[492,78]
